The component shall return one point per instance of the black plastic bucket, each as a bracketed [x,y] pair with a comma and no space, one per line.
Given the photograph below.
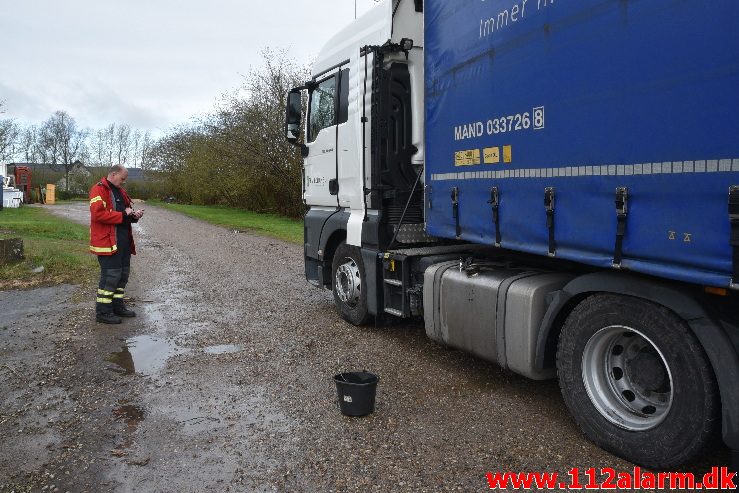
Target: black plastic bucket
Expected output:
[356,391]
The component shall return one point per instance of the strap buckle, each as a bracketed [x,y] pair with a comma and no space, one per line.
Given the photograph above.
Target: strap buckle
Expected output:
[622,201]
[495,204]
[549,206]
[734,235]
[494,197]
[455,212]
[549,199]
[734,203]
[622,209]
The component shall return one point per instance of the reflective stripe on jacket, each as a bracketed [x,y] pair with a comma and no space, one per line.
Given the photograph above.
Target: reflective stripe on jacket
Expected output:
[104,218]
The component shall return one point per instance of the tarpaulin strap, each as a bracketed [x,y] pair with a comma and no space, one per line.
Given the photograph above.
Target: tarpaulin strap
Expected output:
[734,241]
[455,211]
[549,206]
[495,204]
[622,209]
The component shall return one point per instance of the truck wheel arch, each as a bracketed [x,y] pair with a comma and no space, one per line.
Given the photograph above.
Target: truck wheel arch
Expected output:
[332,243]
[332,233]
[711,335]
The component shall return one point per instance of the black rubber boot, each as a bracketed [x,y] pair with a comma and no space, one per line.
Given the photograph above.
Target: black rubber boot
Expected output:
[107,318]
[109,279]
[121,310]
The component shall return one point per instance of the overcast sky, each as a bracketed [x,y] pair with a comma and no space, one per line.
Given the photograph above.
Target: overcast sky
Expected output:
[149,63]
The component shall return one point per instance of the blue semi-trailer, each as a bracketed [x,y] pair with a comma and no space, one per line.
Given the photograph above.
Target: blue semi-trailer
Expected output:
[550,185]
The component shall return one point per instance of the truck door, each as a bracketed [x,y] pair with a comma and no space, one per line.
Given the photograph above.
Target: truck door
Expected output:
[321,186]
[349,169]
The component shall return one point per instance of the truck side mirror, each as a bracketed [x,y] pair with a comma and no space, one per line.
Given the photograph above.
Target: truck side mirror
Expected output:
[293,116]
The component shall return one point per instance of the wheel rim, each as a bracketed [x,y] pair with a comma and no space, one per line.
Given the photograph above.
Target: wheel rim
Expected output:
[627,378]
[348,282]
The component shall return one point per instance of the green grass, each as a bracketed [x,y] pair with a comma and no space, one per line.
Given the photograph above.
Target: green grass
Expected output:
[270,225]
[57,244]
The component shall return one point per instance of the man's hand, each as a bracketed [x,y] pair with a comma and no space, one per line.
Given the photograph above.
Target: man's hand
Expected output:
[128,211]
[139,214]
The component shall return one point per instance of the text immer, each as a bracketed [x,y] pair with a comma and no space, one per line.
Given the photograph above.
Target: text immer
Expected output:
[507,17]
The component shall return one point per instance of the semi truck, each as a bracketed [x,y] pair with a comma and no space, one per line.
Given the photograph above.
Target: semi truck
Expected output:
[549,185]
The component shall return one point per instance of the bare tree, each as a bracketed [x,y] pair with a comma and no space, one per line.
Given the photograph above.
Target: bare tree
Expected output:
[28,145]
[98,145]
[133,148]
[145,151]
[62,143]
[109,133]
[122,140]
[47,147]
[8,136]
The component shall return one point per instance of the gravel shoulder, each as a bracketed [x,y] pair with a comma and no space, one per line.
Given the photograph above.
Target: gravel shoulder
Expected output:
[224,383]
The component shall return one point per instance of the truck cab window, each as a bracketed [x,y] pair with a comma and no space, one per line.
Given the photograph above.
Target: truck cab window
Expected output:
[322,108]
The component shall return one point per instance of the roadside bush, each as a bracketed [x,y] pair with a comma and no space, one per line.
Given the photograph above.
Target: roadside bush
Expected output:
[145,190]
[238,155]
[65,195]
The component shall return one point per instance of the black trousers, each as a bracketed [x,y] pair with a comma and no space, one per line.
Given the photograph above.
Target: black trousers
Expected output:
[114,272]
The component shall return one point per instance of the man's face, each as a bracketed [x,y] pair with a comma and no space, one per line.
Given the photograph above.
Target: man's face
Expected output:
[119,178]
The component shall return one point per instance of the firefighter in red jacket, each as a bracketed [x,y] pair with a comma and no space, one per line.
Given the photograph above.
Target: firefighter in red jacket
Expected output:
[111,239]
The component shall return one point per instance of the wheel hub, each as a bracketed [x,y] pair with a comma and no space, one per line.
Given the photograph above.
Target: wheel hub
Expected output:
[348,282]
[627,378]
[647,371]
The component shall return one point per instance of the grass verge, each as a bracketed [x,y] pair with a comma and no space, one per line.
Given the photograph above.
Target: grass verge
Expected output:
[57,244]
[271,225]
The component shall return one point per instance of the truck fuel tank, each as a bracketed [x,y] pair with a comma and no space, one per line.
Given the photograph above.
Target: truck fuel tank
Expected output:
[490,310]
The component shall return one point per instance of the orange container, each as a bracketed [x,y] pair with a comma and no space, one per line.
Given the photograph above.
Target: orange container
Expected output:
[50,194]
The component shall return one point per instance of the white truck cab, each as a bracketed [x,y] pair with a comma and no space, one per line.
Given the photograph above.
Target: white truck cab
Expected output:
[336,138]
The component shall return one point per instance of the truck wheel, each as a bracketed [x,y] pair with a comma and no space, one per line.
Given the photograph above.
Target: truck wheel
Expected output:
[637,381]
[350,294]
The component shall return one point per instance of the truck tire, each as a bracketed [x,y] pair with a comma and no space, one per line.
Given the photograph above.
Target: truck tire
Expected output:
[637,381]
[347,273]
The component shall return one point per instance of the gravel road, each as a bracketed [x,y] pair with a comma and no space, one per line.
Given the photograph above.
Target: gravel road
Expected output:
[224,383]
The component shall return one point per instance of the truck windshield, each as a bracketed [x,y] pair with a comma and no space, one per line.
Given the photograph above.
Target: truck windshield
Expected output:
[322,108]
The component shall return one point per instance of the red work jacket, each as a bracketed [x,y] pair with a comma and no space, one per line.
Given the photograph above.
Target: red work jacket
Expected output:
[104,218]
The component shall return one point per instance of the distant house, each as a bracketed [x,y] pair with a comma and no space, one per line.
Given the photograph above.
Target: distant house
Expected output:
[136,174]
[80,179]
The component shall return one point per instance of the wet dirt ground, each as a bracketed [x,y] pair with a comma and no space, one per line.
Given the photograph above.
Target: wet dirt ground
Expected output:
[223,382]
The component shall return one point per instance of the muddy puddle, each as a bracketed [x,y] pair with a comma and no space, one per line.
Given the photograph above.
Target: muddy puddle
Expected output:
[148,355]
[129,414]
